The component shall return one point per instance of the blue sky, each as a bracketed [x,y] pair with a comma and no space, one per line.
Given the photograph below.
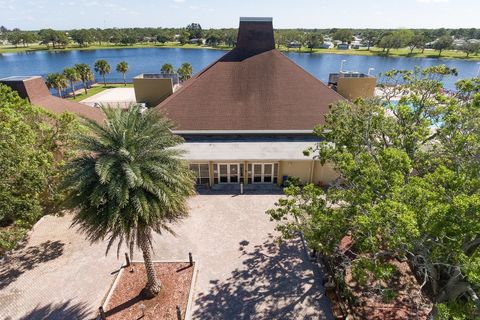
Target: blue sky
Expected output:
[67,14]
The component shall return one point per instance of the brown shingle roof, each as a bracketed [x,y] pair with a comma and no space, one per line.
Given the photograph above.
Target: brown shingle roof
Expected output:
[253,87]
[35,90]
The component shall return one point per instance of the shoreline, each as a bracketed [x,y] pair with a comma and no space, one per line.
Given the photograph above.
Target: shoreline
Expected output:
[374,52]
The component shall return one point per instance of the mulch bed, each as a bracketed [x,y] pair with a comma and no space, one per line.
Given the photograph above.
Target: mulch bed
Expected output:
[126,299]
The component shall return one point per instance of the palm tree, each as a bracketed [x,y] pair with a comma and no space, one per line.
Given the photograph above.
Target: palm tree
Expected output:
[129,180]
[72,75]
[167,68]
[56,81]
[122,67]
[185,71]
[103,68]
[85,74]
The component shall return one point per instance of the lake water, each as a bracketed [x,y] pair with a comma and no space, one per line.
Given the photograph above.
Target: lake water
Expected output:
[149,60]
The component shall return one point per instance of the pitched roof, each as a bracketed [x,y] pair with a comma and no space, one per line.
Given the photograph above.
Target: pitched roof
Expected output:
[34,89]
[252,87]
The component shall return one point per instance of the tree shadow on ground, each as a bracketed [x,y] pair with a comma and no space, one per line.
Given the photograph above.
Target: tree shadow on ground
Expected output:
[277,281]
[27,258]
[59,312]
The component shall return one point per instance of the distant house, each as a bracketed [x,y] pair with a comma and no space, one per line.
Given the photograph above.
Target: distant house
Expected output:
[326,45]
[197,41]
[356,44]
[294,44]
[343,46]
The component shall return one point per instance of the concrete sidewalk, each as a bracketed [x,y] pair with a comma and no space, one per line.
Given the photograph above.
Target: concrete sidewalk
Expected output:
[243,273]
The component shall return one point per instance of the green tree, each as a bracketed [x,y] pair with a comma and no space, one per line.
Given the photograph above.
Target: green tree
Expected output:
[184,37]
[14,38]
[30,141]
[56,81]
[370,37]
[443,43]
[408,187]
[418,41]
[103,68]
[122,67]
[167,68]
[195,31]
[83,37]
[71,74]
[85,74]
[162,38]
[344,35]
[471,48]
[396,40]
[128,181]
[185,71]
[314,41]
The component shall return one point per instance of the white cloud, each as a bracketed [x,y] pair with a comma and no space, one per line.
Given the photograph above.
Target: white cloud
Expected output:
[178,1]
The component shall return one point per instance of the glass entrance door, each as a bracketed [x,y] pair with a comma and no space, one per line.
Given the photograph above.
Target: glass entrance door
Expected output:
[262,173]
[229,172]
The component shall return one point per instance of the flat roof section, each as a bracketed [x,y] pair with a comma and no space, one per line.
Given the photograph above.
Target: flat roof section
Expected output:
[246,151]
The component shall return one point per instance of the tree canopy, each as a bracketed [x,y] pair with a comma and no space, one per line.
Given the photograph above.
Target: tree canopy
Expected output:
[128,180]
[30,141]
[408,186]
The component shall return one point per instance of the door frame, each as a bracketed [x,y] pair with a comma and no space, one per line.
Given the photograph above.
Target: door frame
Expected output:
[262,174]
[228,172]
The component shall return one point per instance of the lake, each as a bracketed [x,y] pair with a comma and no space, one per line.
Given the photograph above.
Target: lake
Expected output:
[149,60]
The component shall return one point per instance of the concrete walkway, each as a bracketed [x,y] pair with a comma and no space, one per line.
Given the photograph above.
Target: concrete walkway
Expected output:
[243,272]
[115,97]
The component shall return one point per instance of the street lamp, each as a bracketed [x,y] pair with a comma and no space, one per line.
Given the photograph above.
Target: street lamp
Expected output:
[341,65]
[370,69]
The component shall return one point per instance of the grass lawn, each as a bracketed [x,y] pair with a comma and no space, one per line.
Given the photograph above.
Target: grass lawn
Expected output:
[97,89]
[448,54]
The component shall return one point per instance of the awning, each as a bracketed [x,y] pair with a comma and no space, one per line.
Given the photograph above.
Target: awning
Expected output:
[246,151]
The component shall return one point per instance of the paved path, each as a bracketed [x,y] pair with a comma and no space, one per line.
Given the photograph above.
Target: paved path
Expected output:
[243,272]
[113,97]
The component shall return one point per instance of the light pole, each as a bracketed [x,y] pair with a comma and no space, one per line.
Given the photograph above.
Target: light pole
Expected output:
[341,65]
[370,69]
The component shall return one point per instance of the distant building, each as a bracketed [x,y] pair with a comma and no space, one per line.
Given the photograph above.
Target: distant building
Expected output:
[197,41]
[326,45]
[343,46]
[294,44]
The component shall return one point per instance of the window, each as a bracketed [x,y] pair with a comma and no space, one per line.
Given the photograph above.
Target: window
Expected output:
[202,173]
[262,172]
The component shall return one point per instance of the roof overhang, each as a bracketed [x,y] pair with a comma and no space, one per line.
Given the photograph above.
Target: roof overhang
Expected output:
[230,132]
[246,151]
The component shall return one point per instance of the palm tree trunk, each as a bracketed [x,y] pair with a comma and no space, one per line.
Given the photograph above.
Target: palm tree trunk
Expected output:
[104,81]
[153,284]
[59,92]
[73,89]
[85,87]
[124,80]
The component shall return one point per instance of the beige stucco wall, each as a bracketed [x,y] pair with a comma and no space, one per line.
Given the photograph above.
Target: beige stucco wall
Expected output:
[152,91]
[307,171]
[324,174]
[352,88]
